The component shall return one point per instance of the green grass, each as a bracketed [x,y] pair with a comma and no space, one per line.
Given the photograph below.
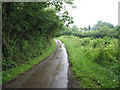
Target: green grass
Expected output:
[14,72]
[92,69]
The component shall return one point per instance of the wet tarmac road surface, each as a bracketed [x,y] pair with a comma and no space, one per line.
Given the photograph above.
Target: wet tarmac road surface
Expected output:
[51,73]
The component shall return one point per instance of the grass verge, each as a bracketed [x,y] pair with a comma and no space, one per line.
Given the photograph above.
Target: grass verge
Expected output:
[83,57]
[14,72]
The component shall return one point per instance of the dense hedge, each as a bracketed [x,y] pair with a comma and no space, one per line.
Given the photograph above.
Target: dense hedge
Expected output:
[104,31]
[27,30]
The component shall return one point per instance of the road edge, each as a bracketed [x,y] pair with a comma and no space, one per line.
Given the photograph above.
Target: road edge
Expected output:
[72,82]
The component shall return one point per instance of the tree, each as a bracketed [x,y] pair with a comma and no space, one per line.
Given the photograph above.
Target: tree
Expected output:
[75,28]
[101,24]
[85,28]
[28,28]
[89,27]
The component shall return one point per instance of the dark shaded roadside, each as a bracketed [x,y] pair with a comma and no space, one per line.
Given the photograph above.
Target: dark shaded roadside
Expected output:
[72,82]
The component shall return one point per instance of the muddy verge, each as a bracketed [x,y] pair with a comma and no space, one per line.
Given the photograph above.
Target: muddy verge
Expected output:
[72,82]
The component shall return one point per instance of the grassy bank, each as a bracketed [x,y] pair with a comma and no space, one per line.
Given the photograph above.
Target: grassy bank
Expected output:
[14,72]
[93,61]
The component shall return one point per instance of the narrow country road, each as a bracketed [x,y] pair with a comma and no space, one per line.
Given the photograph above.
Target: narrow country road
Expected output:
[51,73]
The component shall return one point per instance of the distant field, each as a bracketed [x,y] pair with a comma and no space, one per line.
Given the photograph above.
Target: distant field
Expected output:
[94,61]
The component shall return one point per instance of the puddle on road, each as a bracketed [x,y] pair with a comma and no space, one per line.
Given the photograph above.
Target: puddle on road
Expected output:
[52,73]
[61,78]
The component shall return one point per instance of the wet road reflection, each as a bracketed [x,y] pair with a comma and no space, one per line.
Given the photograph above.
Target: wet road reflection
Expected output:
[52,73]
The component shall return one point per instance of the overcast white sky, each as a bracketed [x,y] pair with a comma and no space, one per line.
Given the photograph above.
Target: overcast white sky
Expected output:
[88,12]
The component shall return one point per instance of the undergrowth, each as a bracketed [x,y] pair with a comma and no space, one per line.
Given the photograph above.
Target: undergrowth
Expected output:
[94,61]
